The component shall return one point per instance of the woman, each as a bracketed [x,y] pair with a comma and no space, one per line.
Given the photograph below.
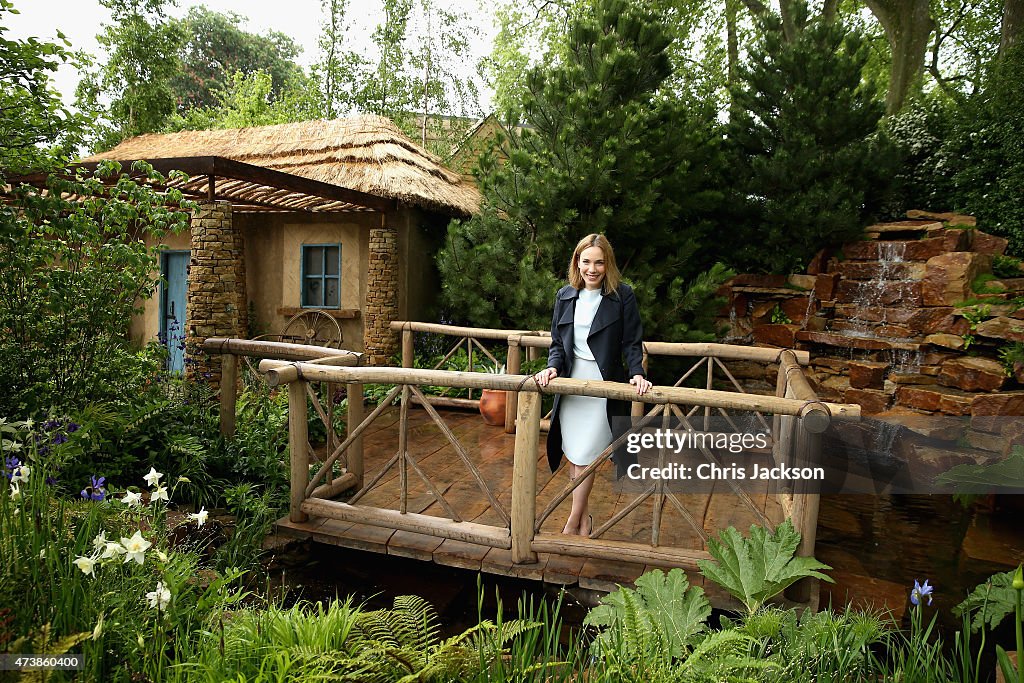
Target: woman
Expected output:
[595,324]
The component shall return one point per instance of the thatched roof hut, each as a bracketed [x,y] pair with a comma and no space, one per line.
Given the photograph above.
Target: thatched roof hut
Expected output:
[367,153]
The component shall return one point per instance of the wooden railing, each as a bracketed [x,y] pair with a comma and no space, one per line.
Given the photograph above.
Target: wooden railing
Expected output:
[233,349]
[798,418]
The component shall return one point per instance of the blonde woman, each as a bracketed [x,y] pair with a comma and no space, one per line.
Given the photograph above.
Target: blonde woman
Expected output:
[595,326]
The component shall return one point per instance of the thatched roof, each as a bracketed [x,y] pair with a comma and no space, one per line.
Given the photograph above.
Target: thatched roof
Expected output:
[366,153]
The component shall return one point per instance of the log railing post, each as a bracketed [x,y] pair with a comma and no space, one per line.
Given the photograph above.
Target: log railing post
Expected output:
[638,408]
[524,478]
[807,446]
[228,393]
[513,364]
[298,438]
[408,351]
[355,418]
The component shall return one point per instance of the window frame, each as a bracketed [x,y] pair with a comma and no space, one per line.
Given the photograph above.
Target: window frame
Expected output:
[323,277]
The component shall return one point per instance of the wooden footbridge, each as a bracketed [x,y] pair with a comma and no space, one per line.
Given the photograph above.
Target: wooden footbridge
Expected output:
[440,485]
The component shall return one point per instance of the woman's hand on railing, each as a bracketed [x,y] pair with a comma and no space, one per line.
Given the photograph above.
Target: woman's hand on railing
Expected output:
[545,376]
[641,383]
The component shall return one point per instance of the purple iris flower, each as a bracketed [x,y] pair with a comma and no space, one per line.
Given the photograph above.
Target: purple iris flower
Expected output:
[11,464]
[95,491]
[921,591]
[72,427]
[59,439]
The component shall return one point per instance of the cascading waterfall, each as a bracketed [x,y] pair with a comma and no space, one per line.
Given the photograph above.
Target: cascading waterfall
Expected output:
[869,292]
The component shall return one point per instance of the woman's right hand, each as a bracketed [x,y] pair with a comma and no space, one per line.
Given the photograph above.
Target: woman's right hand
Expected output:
[545,376]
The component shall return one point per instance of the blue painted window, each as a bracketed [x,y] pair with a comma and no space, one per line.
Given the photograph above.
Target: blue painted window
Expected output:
[321,276]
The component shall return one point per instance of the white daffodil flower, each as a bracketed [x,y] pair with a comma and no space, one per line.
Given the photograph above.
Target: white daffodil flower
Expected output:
[112,549]
[161,555]
[159,493]
[153,478]
[159,598]
[132,499]
[135,548]
[100,541]
[15,491]
[199,517]
[21,473]
[86,564]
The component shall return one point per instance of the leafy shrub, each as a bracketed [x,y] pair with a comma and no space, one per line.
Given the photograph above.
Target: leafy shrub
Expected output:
[1006,267]
[990,150]
[920,133]
[757,568]
[74,272]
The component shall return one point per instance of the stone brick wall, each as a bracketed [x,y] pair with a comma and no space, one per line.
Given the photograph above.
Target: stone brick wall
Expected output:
[894,324]
[379,342]
[217,302]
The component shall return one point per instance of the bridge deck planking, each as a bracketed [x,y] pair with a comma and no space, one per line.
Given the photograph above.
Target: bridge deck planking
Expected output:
[491,449]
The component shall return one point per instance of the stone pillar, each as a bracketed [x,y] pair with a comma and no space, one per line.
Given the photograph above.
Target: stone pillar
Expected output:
[379,342]
[217,302]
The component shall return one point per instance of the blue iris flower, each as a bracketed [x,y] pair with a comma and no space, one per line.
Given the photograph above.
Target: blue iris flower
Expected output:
[921,591]
[96,490]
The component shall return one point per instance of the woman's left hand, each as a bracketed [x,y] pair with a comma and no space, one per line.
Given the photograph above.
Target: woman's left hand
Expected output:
[641,383]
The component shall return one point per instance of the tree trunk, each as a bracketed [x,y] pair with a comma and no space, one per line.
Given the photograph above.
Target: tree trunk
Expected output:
[1013,23]
[907,25]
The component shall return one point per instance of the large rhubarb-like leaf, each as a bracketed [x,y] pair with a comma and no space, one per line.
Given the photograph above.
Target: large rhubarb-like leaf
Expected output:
[757,568]
[663,607]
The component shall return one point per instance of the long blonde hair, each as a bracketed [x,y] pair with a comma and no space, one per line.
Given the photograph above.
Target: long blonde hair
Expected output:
[612,276]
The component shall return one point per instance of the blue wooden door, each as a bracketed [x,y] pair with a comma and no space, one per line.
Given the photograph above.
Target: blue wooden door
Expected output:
[174,270]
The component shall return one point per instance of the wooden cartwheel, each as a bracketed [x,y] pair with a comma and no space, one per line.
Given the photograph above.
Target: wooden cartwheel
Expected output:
[313,327]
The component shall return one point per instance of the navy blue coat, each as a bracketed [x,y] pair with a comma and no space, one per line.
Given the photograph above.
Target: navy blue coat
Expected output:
[615,334]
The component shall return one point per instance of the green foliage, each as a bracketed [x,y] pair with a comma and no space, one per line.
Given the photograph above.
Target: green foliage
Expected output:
[255,515]
[974,314]
[982,284]
[217,50]
[419,48]
[125,636]
[757,568]
[166,73]
[779,316]
[605,149]
[32,116]
[75,271]
[659,619]
[989,153]
[807,159]
[814,646]
[989,602]
[343,642]
[1006,267]
[1010,356]
[1007,473]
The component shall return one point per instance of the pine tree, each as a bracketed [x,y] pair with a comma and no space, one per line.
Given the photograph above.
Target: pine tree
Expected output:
[808,161]
[603,149]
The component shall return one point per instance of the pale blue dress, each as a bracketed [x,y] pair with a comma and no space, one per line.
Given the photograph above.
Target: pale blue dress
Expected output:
[584,419]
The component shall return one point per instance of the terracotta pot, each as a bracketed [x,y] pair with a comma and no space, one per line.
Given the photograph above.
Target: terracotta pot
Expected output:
[492,406]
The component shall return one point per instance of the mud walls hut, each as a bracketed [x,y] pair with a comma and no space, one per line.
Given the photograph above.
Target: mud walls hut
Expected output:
[341,216]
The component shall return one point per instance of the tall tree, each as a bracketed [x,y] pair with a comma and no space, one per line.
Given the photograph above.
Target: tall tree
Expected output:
[604,150]
[143,48]
[158,67]
[216,47]
[1012,24]
[416,67]
[806,160]
[32,116]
